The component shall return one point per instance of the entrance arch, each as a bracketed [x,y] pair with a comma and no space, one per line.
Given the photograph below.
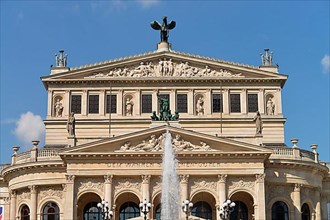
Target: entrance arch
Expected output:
[244,209]
[87,206]
[204,205]
[127,206]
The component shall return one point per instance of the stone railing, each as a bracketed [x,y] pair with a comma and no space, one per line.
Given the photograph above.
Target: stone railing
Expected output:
[292,153]
[35,155]
[3,166]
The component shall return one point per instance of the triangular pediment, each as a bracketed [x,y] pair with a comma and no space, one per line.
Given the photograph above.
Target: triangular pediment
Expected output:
[151,141]
[165,65]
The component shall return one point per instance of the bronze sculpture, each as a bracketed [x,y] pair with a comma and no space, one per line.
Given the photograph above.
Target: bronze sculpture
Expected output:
[164,28]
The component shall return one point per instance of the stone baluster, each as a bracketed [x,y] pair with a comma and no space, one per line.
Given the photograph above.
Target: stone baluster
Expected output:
[296,150]
[316,155]
[34,151]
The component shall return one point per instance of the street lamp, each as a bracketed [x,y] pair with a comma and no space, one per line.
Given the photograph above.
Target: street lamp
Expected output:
[105,210]
[186,207]
[145,208]
[227,208]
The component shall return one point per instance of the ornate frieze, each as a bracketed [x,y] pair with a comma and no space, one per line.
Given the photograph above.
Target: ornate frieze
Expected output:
[165,68]
[236,183]
[50,191]
[22,195]
[204,183]
[90,183]
[127,183]
[134,165]
[156,144]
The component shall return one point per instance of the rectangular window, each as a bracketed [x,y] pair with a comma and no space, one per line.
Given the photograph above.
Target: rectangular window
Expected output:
[235,103]
[93,104]
[252,102]
[217,103]
[163,96]
[146,103]
[76,104]
[181,103]
[112,103]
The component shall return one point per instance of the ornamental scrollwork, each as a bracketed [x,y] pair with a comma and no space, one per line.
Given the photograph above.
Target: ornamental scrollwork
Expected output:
[204,183]
[241,183]
[127,183]
[165,68]
[222,178]
[146,179]
[155,143]
[260,178]
[184,178]
[108,178]
[50,192]
[23,195]
[69,178]
[90,183]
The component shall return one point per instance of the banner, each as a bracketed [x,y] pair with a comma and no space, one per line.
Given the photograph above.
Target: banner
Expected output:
[2,209]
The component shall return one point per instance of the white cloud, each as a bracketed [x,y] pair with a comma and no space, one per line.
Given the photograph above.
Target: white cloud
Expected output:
[148,3]
[29,127]
[325,62]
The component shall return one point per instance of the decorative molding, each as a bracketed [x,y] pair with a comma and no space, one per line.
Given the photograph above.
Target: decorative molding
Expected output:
[260,178]
[135,165]
[165,68]
[90,183]
[235,183]
[33,188]
[13,193]
[204,183]
[127,183]
[156,144]
[108,178]
[50,191]
[23,195]
[222,178]
[146,179]
[69,178]
[184,178]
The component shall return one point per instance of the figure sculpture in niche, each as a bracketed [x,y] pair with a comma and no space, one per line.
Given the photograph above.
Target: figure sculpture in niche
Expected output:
[258,121]
[70,125]
[270,106]
[129,107]
[58,108]
[200,106]
[164,28]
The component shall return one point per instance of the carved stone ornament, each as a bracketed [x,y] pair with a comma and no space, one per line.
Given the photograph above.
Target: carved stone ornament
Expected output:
[204,183]
[241,183]
[260,178]
[222,178]
[50,192]
[23,195]
[69,178]
[184,178]
[90,183]
[128,183]
[146,179]
[156,185]
[156,144]
[108,178]
[165,68]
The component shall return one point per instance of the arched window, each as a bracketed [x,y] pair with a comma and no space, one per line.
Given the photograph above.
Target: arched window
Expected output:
[51,212]
[129,210]
[202,209]
[25,213]
[280,211]
[240,212]
[305,213]
[158,211]
[91,212]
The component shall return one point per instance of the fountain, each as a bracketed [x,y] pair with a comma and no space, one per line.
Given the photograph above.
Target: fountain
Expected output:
[170,183]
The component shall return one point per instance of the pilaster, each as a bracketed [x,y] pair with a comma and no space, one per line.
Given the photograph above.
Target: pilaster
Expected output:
[278,105]
[33,207]
[108,189]
[70,201]
[243,101]
[207,102]
[173,100]
[226,101]
[84,103]
[260,194]
[318,204]
[297,200]
[145,190]
[222,178]
[184,179]
[66,109]
[50,103]
[120,102]
[155,101]
[13,197]
[102,102]
[191,102]
[261,101]
[137,103]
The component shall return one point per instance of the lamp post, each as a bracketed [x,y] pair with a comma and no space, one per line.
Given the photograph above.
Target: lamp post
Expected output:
[105,210]
[227,208]
[186,207]
[145,208]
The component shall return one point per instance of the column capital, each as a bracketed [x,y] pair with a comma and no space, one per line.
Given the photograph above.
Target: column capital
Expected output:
[222,178]
[13,193]
[184,178]
[33,188]
[69,178]
[297,187]
[260,178]
[146,179]
[108,178]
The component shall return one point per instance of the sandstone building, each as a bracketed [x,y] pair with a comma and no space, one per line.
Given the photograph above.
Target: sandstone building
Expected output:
[112,149]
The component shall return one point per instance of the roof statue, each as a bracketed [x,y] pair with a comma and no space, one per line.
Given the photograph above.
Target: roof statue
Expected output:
[164,28]
[61,60]
[267,58]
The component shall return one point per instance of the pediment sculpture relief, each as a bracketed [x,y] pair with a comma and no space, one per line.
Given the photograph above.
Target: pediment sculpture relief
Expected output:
[157,144]
[165,68]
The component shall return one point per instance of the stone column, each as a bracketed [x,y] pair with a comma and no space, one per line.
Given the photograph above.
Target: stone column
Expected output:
[184,187]
[222,196]
[261,102]
[243,101]
[66,107]
[154,99]
[278,102]
[120,102]
[137,103]
[191,102]
[33,207]
[226,101]
[102,102]
[318,204]
[207,102]
[70,201]
[297,200]
[260,197]
[173,100]
[50,111]
[13,195]
[108,189]
[145,190]
[84,103]
[324,206]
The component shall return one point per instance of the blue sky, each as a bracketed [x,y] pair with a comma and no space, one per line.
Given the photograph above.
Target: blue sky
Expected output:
[296,31]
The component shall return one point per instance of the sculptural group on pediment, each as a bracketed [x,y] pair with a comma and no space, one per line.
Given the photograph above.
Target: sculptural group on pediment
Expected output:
[157,144]
[166,67]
